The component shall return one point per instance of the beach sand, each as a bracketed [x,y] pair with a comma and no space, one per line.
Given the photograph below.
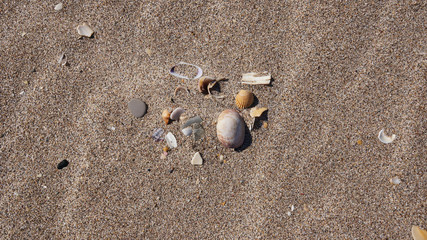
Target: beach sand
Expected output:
[341,73]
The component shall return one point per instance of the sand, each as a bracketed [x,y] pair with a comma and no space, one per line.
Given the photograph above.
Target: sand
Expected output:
[341,73]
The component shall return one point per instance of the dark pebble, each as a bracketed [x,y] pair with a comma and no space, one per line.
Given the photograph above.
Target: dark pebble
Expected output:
[137,107]
[149,170]
[171,171]
[63,164]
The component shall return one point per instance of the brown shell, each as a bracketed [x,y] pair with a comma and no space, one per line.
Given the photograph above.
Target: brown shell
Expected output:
[165,116]
[244,99]
[203,84]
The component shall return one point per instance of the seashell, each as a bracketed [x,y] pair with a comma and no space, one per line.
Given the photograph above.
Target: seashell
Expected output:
[174,73]
[244,99]
[418,233]
[165,116]
[204,84]
[58,7]
[257,112]
[254,78]
[384,138]
[176,113]
[192,121]
[197,159]
[157,134]
[171,140]
[187,131]
[395,180]
[230,129]
[84,30]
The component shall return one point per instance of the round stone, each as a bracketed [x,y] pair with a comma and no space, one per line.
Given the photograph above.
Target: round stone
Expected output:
[137,107]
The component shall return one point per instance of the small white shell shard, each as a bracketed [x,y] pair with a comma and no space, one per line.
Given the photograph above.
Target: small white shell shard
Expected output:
[197,159]
[384,138]
[254,78]
[63,60]
[176,113]
[58,7]
[84,30]
[395,180]
[198,75]
[187,131]
[171,140]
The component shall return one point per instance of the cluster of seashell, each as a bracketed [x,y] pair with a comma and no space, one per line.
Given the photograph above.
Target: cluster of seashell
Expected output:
[175,115]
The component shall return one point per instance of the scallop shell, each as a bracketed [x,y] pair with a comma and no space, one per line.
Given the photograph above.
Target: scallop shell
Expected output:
[165,116]
[230,129]
[204,83]
[176,113]
[244,99]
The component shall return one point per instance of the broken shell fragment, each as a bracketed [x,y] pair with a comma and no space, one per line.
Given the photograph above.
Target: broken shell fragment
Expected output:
[244,99]
[197,159]
[84,30]
[176,113]
[257,112]
[187,131]
[63,60]
[384,138]
[254,78]
[58,7]
[418,233]
[191,121]
[171,140]
[165,116]
[199,71]
[204,84]
[158,134]
[230,129]
[395,180]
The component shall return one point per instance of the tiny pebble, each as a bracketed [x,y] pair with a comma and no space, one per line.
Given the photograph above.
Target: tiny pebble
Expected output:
[44,186]
[137,107]
[171,171]
[289,213]
[359,142]
[395,180]
[63,164]
[39,175]
[292,208]
[149,170]
[221,157]
[265,124]
[148,52]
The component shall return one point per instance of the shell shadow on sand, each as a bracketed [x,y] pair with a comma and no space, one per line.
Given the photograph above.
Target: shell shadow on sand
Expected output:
[246,142]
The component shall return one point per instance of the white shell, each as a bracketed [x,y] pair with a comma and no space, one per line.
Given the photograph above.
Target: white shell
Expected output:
[187,131]
[171,140]
[395,180]
[230,129]
[198,75]
[197,159]
[84,30]
[254,78]
[58,7]
[176,113]
[384,138]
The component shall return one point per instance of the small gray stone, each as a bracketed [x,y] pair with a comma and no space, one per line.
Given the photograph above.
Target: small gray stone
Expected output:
[137,107]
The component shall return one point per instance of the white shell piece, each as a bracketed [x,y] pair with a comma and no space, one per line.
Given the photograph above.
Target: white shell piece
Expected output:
[84,30]
[395,180]
[171,140]
[63,59]
[176,113]
[292,208]
[197,159]
[58,7]
[199,71]
[384,138]
[254,78]
[187,131]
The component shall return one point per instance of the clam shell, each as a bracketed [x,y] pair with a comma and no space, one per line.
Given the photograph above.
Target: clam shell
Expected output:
[165,116]
[171,140]
[244,99]
[187,131]
[230,129]
[204,83]
[176,113]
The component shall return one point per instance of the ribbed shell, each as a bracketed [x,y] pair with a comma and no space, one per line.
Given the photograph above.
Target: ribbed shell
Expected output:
[230,129]
[244,99]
